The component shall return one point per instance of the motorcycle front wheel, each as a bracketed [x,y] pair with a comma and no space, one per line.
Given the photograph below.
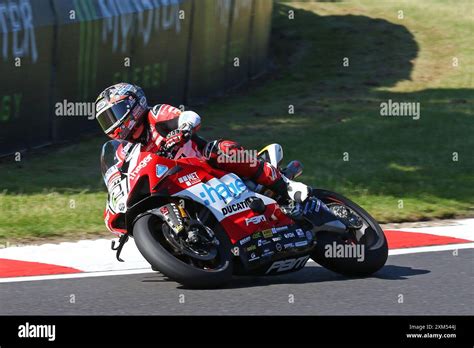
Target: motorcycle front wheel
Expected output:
[192,272]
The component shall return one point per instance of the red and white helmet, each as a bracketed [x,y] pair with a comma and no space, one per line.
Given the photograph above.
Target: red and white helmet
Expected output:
[120,109]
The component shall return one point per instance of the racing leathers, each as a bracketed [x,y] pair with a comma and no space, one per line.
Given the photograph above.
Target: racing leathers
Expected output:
[169,127]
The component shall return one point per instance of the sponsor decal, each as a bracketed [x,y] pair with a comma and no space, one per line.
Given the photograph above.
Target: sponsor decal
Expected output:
[189,179]
[251,248]
[299,232]
[289,235]
[276,239]
[253,257]
[257,235]
[288,264]
[235,251]
[244,240]
[232,208]
[121,89]
[267,252]
[255,220]
[160,170]
[313,205]
[112,176]
[302,243]
[140,166]
[267,233]
[289,245]
[221,192]
[164,210]
[309,235]
[116,191]
[121,207]
[279,229]
[262,242]
[278,247]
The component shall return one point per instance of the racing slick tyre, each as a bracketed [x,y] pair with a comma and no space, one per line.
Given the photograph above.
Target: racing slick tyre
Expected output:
[370,235]
[192,273]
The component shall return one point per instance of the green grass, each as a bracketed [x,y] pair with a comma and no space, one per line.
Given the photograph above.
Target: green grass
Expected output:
[399,169]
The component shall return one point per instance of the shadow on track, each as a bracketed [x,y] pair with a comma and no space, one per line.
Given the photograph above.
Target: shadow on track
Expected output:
[306,275]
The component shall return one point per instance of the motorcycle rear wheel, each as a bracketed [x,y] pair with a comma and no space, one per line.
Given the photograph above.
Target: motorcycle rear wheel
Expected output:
[375,251]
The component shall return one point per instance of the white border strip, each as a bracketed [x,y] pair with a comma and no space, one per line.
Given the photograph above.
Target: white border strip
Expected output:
[76,275]
[432,248]
[404,251]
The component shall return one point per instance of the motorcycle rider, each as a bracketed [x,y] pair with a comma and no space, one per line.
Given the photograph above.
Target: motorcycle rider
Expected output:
[123,114]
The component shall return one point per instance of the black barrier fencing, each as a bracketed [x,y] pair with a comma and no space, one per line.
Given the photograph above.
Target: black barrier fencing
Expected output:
[57,55]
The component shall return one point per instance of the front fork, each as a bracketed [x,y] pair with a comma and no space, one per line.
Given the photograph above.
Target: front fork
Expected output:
[182,225]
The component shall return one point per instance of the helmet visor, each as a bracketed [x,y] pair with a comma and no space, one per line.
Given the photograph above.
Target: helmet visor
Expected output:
[111,118]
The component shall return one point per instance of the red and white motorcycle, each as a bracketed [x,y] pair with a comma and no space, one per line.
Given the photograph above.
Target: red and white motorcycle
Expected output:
[199,225]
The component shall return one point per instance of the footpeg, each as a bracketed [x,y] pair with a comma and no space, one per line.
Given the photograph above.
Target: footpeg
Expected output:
[294,210]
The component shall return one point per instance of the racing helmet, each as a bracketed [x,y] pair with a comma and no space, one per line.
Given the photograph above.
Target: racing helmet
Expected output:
[120,109]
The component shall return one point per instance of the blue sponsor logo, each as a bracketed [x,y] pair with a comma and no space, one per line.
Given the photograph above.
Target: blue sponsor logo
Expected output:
[222,192]
[160,170]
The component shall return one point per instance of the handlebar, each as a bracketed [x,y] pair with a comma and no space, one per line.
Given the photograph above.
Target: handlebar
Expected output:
[168,153]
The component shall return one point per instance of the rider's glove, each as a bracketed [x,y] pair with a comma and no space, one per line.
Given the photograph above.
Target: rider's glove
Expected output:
[178,137]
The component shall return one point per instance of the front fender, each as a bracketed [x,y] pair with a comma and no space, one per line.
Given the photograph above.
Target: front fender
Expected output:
[142,208]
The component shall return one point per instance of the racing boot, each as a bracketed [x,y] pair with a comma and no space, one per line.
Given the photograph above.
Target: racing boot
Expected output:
[292,194]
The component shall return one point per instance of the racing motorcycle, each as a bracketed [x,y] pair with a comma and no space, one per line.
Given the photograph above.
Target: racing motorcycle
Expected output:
[199,225]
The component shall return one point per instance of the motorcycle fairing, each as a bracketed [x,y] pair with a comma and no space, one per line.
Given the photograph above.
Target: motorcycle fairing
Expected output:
[228,200]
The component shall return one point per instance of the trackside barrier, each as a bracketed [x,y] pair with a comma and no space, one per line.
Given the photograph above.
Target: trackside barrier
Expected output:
[57,55]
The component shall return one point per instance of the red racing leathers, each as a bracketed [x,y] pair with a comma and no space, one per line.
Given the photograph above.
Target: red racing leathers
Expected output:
[163,119]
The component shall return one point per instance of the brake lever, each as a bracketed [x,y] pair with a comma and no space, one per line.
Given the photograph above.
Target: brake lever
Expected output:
[168,152]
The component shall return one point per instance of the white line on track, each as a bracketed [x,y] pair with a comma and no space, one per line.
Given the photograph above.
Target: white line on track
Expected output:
[76,275]
[425,249]
[432,248]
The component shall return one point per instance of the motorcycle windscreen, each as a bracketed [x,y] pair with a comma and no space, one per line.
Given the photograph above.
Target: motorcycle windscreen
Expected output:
[113,153]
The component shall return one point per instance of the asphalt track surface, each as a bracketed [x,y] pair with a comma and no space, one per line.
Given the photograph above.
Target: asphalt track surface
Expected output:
[431,283]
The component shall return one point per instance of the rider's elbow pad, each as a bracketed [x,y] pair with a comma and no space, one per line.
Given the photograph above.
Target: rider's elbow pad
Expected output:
[191,118]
